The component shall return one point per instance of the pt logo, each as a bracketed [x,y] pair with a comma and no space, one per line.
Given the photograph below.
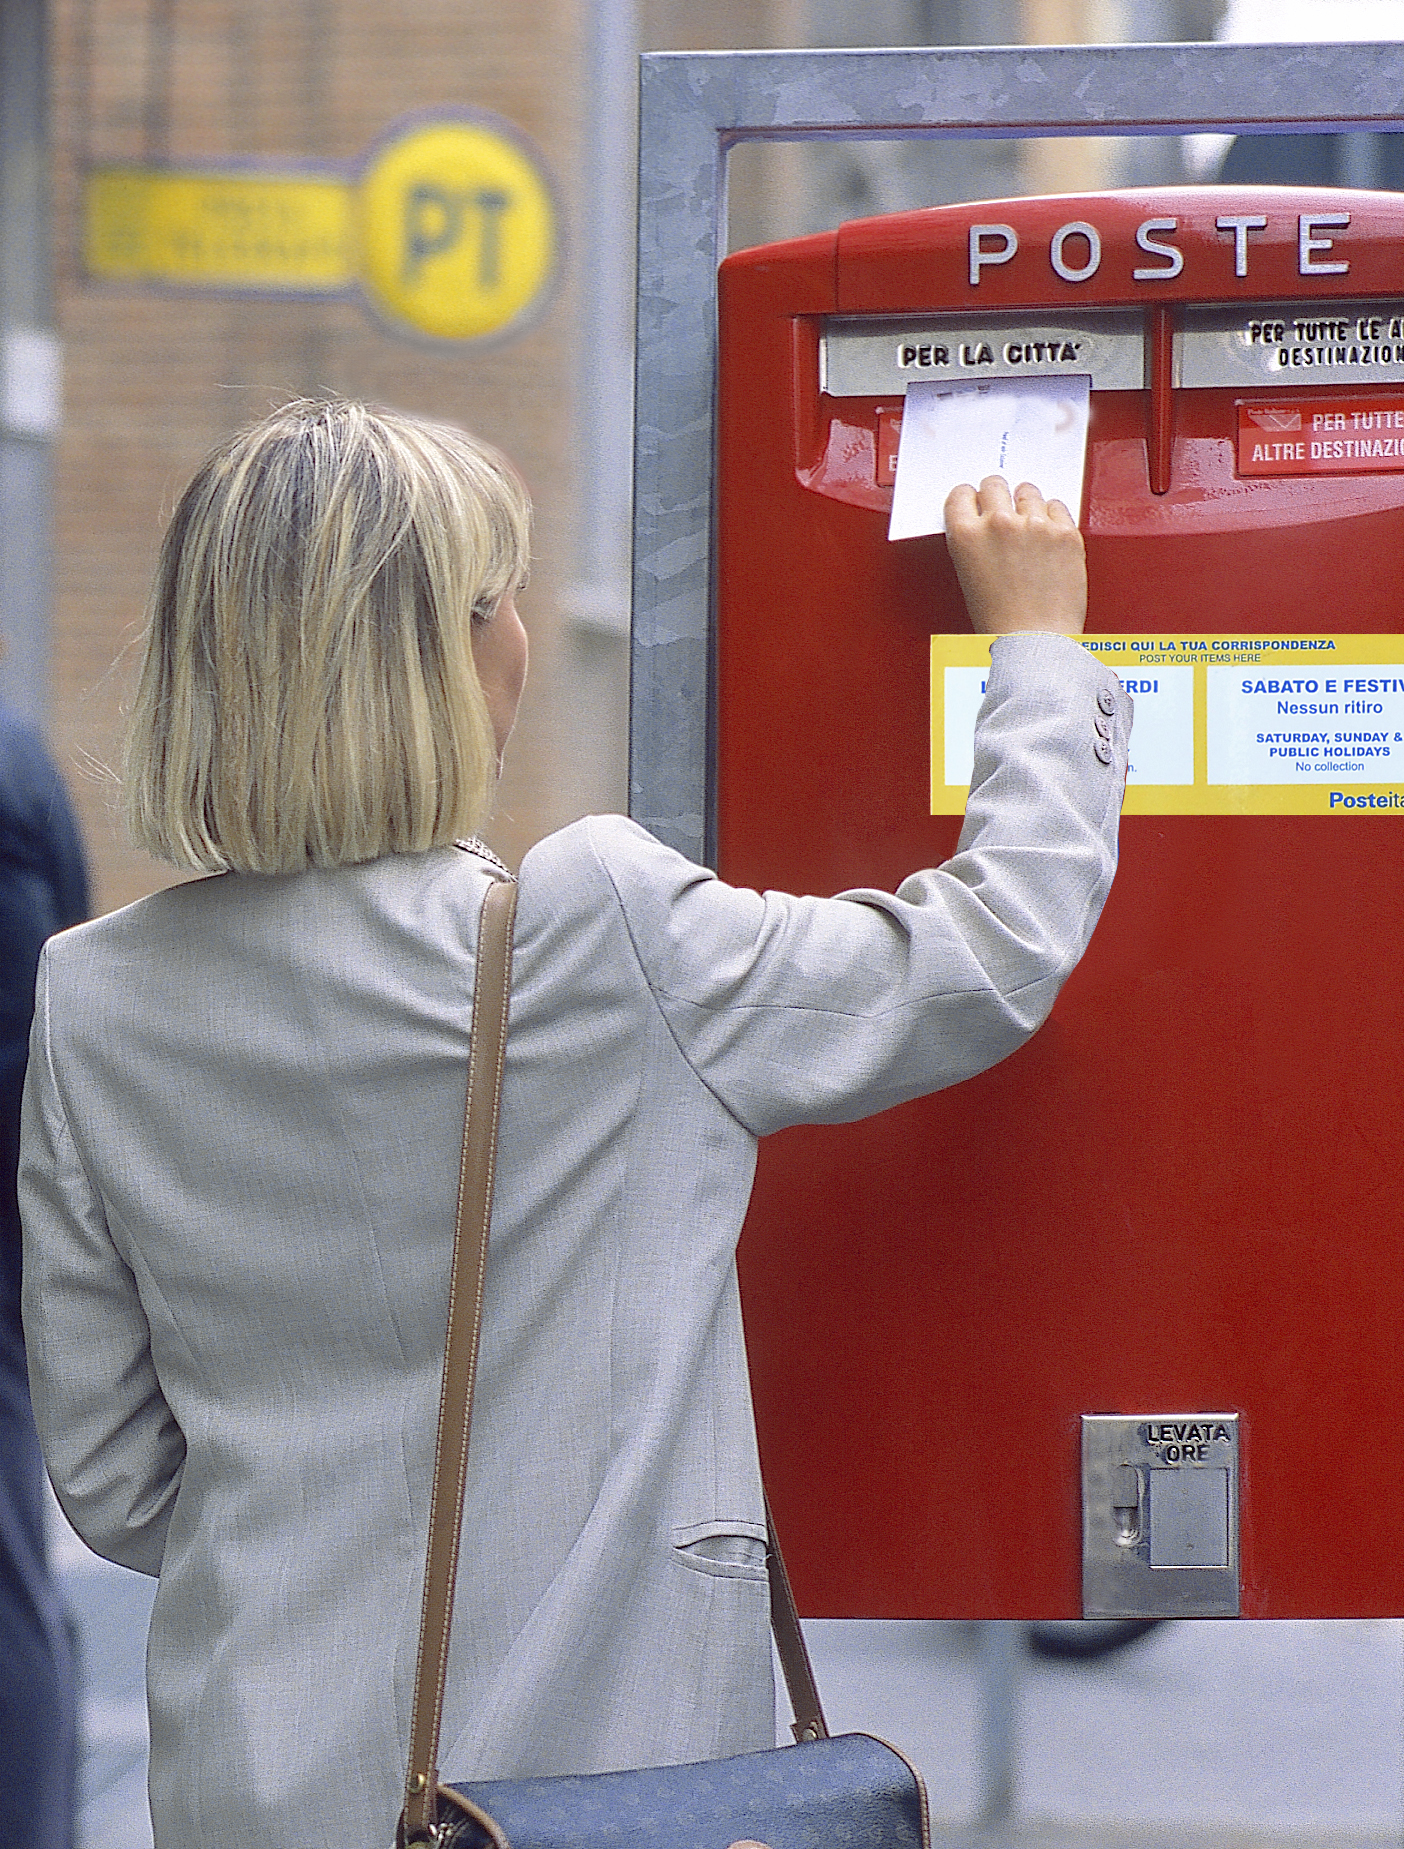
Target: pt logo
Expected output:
[458,229]
[437,220]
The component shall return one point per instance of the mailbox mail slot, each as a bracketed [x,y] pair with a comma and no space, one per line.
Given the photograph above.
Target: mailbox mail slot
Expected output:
[1186,1191]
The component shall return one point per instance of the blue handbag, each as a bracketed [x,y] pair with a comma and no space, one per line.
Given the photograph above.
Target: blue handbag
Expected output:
[852,1792]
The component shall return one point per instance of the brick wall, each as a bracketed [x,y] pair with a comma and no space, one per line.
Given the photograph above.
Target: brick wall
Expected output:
[153,380]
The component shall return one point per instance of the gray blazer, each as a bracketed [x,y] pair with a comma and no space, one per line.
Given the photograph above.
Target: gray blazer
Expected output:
[241,1134]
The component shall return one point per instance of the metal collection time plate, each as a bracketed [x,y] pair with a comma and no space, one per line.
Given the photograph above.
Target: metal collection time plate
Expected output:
[1160,1515]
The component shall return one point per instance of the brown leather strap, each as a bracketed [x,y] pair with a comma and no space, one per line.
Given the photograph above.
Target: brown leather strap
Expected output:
[491,995]
[809,1722]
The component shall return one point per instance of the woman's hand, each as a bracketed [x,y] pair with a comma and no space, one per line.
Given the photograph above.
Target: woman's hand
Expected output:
[1019,558]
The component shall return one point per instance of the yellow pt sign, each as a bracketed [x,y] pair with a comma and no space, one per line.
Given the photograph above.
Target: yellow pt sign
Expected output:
[457,230]
[266,231]
[448,229]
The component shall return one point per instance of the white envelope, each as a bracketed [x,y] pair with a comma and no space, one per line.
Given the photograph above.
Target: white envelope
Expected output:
[1027,430]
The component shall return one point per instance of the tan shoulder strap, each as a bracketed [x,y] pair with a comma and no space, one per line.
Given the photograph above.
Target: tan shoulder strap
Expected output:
[790,1647]
[492,989]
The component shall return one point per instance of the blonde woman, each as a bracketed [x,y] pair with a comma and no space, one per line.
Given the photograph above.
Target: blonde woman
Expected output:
[244,1108]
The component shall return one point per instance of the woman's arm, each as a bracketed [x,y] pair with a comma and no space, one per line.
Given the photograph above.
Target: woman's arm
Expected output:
[818,1010]
[112,1445]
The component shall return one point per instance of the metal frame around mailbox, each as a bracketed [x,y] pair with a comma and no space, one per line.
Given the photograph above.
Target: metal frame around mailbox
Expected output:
[694,107]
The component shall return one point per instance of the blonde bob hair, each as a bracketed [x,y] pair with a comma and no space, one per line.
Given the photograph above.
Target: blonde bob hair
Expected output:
[308,696]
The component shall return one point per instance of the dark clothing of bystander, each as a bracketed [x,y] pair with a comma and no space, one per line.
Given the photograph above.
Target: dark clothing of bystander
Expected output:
[43,889]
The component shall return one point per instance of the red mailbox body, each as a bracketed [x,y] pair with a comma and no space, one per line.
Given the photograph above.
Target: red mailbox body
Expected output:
[1187,1192]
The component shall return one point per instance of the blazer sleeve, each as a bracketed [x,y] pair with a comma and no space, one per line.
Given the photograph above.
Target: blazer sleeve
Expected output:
[113,1448]
[808,1010]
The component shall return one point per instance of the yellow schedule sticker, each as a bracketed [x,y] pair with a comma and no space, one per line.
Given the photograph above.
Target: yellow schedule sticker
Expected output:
[448,229]
[1224,724]
[457,227]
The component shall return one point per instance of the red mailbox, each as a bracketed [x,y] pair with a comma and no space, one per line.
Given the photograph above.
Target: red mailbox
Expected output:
[990,1329]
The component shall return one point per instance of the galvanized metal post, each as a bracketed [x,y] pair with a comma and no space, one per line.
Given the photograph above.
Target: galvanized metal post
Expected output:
[1000,1641]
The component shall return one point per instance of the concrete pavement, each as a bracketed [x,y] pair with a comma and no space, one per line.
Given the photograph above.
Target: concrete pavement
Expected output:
[1239,1736]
